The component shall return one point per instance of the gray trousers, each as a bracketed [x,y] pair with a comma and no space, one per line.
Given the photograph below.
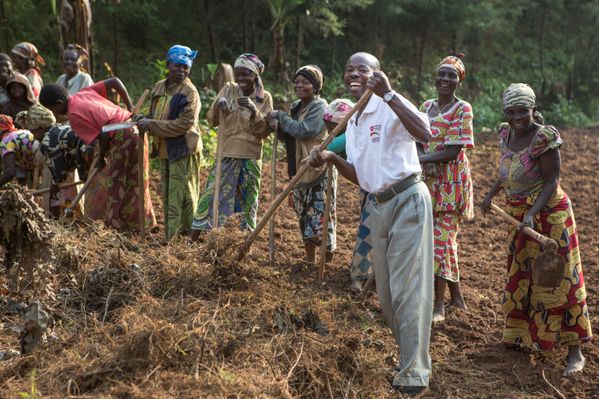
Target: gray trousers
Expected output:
[401,235]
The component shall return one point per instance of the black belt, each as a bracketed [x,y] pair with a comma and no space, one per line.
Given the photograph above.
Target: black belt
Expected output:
[396,188]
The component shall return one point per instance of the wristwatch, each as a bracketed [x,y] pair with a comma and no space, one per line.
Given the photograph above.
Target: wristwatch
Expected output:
[389,96]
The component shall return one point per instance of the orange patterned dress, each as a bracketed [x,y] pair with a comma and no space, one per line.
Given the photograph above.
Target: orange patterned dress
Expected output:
[451,190]
[538,316]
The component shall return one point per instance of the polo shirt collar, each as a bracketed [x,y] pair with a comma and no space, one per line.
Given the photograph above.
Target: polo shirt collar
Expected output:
[373,104]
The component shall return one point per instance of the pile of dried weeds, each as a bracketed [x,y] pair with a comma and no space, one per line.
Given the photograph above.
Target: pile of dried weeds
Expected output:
[184,320]
[25,236]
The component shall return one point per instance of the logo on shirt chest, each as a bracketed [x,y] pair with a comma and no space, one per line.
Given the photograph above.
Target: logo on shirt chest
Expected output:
[375,133]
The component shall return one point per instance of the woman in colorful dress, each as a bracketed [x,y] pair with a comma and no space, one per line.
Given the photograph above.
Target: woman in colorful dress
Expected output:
[447,175]
[63,150]
[239,111]
[115,191]
[529,166]
[173,123]
[74,78]
[302,129]
[26,60]
[17,149]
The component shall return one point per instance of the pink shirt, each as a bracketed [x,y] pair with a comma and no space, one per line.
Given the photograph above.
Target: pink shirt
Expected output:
[90,110]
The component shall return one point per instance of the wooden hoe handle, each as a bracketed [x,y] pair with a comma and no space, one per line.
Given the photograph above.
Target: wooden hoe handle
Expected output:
[547,243]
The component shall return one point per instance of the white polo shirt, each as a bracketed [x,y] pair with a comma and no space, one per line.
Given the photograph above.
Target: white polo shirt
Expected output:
[379,146]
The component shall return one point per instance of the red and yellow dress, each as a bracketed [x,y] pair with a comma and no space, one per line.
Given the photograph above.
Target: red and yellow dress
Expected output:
[451,189]
[537,316]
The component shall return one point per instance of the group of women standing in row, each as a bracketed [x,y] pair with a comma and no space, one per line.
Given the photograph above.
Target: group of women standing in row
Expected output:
[243,112]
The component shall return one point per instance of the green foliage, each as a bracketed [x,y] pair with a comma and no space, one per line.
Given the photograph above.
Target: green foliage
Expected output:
[549,44]
[158,69]
[565,113]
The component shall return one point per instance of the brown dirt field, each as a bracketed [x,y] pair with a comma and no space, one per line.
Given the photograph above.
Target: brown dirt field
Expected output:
[203,326]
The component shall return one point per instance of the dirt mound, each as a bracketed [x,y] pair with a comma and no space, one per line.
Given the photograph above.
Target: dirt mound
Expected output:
[143,320]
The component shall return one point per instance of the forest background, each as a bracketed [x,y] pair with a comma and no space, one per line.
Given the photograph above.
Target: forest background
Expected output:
[551,44]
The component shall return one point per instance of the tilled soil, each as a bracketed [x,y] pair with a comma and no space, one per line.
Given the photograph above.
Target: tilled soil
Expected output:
[209,327]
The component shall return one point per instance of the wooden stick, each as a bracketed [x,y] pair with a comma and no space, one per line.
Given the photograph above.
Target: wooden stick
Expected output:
[60,187]
[548,244]
[69,211]
[140,183]
[300,173]
[218,163]
[273,194]
[368,285]
[325,225]
[141,169]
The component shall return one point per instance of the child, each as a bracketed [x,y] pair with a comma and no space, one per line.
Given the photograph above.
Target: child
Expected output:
[74,78]
[21,97]
[114,194]
[26,59]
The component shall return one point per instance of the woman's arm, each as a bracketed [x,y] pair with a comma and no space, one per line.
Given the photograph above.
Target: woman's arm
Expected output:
[450,153]
[310,126]
[118,86]
[8,168]
[104,141]
[486,204]
[550,162]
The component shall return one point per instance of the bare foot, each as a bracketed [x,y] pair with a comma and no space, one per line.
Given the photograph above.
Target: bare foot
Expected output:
[193,237]
[457,299]
[458,303]
[356,287]
[576,361]
[438,313]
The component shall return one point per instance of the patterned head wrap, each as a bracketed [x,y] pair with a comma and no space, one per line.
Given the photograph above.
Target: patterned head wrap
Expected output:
[252,62]
[36,117]
[29,52]
[454,62]
[6,124]
[337,110]
[79,49]
[521,94]
[313,74]
[518,94]
[181,55]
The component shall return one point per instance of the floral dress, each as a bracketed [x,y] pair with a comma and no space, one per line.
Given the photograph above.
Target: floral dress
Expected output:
[451,190]
[23,145]
[539,316]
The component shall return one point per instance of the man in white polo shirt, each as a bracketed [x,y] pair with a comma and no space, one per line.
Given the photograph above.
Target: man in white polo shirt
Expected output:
[382,158]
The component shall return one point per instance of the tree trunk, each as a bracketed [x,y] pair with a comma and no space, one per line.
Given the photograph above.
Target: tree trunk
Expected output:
[300,43]
[4,23]
[541,55]
[278,36]
[253,26]
[421,45]
[246,33]
[210,31]
[115,42]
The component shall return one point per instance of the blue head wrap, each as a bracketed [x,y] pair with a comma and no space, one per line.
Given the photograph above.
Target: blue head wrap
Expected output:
[181,55]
